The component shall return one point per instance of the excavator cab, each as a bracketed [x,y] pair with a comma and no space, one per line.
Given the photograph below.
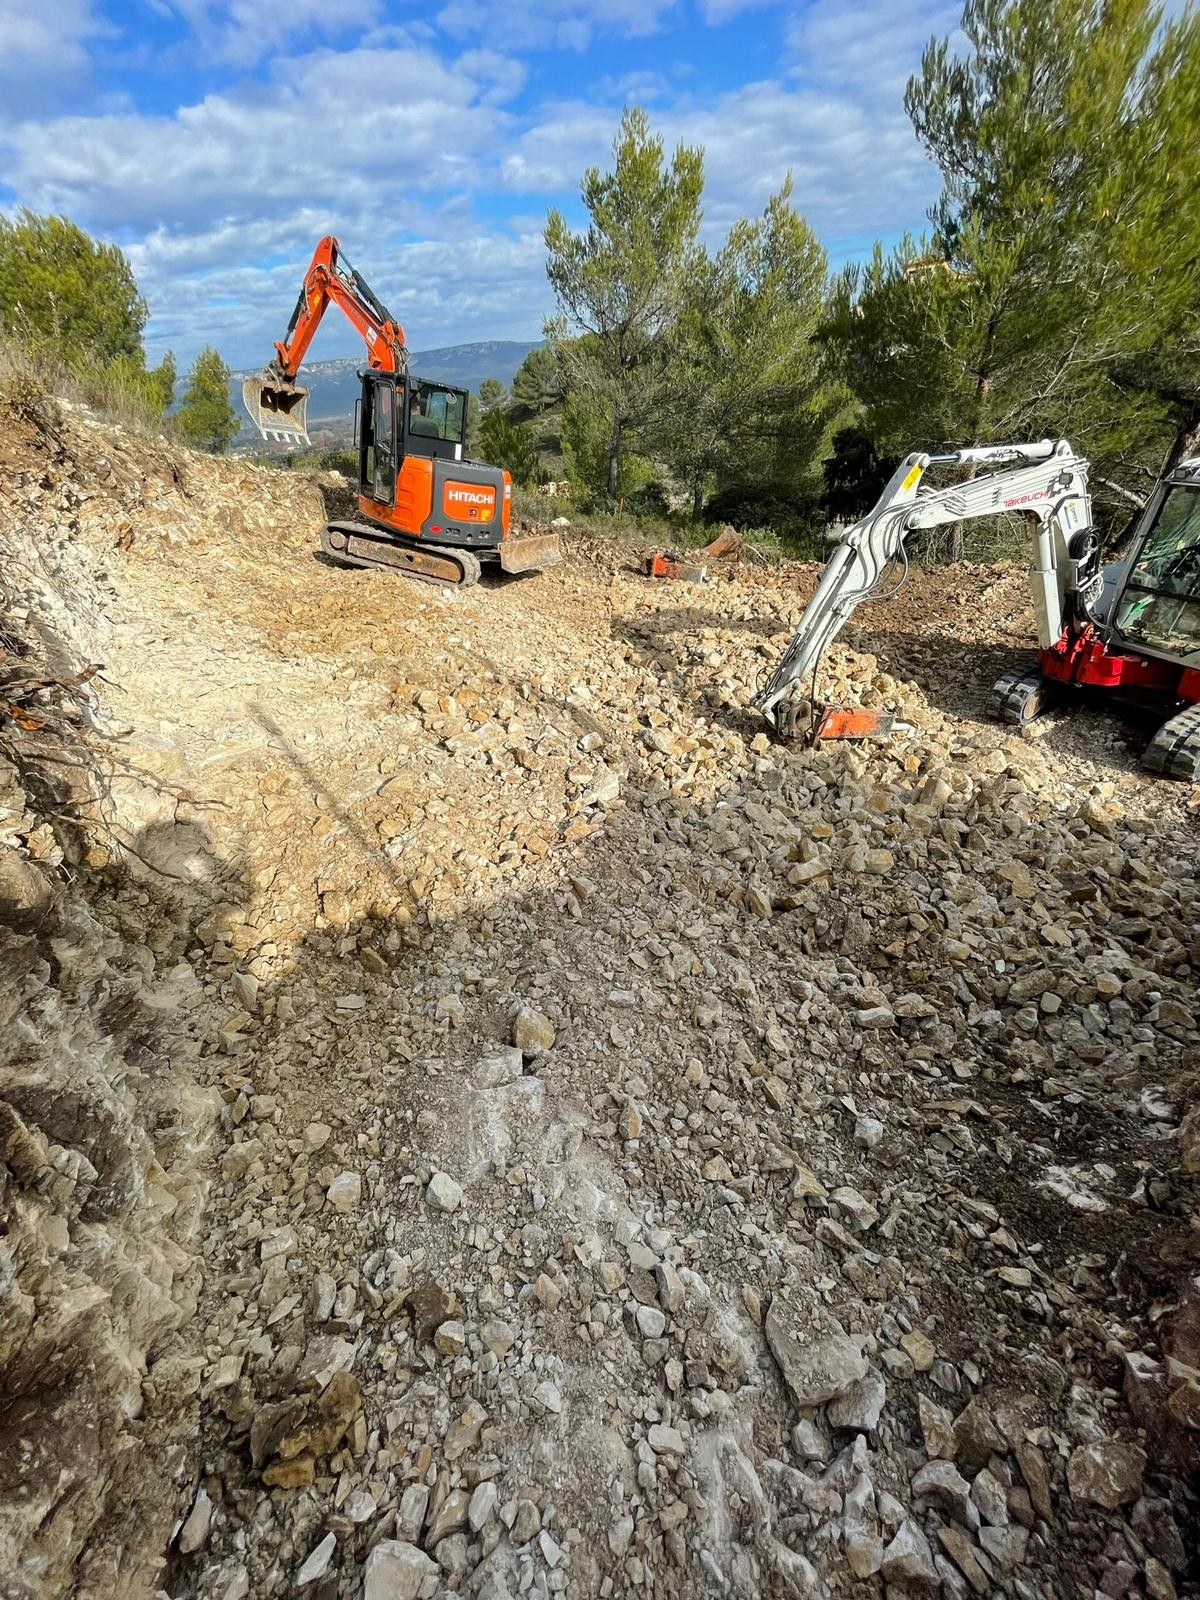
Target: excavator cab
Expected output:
[1155,605]
[401,418]
[436,419]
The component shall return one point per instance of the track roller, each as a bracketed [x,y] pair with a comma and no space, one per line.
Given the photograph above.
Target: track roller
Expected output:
[1020,695]
[1174,750]
[355,544]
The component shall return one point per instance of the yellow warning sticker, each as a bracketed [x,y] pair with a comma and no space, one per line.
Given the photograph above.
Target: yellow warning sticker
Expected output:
[912,478]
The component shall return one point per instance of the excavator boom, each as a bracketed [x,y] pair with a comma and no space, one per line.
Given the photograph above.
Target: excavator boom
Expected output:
[277,404]
[1046,480]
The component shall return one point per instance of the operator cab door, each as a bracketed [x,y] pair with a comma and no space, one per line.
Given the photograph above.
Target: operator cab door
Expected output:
[377,461]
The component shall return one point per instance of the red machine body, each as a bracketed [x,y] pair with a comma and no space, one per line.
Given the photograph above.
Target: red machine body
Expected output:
[1081,657]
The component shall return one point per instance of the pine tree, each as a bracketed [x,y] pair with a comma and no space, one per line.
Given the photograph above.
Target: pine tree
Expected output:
[855,476]
[492,393]
[471,445]
[65,291]
[586,448]
[1065,235]
[757,403]
[622,284]
[162,380]
[509,444]
[538,383]
[205,417]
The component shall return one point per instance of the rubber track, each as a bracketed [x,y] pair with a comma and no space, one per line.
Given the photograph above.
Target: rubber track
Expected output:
[1011,692]
[362,540]
[1175,748]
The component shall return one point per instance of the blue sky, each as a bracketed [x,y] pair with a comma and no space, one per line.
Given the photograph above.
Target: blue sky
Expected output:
[217,140]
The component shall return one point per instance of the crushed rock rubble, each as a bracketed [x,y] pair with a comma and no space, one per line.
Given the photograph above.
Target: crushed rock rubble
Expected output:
[649,1159]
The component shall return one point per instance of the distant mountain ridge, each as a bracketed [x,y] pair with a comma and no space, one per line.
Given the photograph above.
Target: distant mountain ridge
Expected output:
[334,387]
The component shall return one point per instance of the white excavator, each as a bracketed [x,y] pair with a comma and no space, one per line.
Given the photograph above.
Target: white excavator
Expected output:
[1131,628]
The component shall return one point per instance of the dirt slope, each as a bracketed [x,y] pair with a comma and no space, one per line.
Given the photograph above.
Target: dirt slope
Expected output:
[649,1159]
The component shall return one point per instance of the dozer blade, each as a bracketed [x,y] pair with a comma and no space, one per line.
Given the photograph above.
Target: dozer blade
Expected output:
[530,552]
[278,410]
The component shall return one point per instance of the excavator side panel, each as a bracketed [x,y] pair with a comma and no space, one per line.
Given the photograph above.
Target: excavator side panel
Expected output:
[414,495]
[414,498]
[463,501]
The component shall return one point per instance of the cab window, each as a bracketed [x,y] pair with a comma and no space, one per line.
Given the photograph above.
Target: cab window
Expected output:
[1161,603]
[379,456]
[435,413]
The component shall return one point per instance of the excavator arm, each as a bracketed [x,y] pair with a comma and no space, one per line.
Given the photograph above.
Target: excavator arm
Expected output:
[1047,481]
[277,404]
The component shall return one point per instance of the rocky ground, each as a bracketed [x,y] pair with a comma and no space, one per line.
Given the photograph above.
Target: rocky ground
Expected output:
[610,1153]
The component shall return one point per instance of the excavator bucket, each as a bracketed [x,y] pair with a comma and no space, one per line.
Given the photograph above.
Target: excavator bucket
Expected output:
[278,410]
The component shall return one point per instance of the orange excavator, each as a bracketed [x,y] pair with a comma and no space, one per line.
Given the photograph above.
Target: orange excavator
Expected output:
[426,510]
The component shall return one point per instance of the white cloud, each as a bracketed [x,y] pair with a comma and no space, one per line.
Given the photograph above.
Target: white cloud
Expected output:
[44,53]
[480,285]
[259,174]
[243,32]
[264,149]
[833,117]
[716,11]
[642,87]
[853,169]
[871,49]
[434,171]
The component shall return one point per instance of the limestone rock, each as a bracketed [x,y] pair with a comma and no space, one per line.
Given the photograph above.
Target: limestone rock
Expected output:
[940,1484]
[195,1529]
[318,1562]
[919,1348]
[861,1405]
[396,1570]
[1108,1473]
[443,1193]
[345,1191]
[815,1369]
[533,1033]
[908,1558]
[937,1427]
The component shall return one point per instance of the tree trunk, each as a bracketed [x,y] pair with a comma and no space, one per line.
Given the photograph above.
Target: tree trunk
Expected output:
[697,500]
[983,388]
[614,460]
[1186,442]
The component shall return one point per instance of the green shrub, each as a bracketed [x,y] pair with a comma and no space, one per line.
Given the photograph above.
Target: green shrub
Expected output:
[124,391]
[343,460]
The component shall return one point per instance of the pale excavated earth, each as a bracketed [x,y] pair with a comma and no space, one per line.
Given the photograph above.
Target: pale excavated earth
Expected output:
[579,1145]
